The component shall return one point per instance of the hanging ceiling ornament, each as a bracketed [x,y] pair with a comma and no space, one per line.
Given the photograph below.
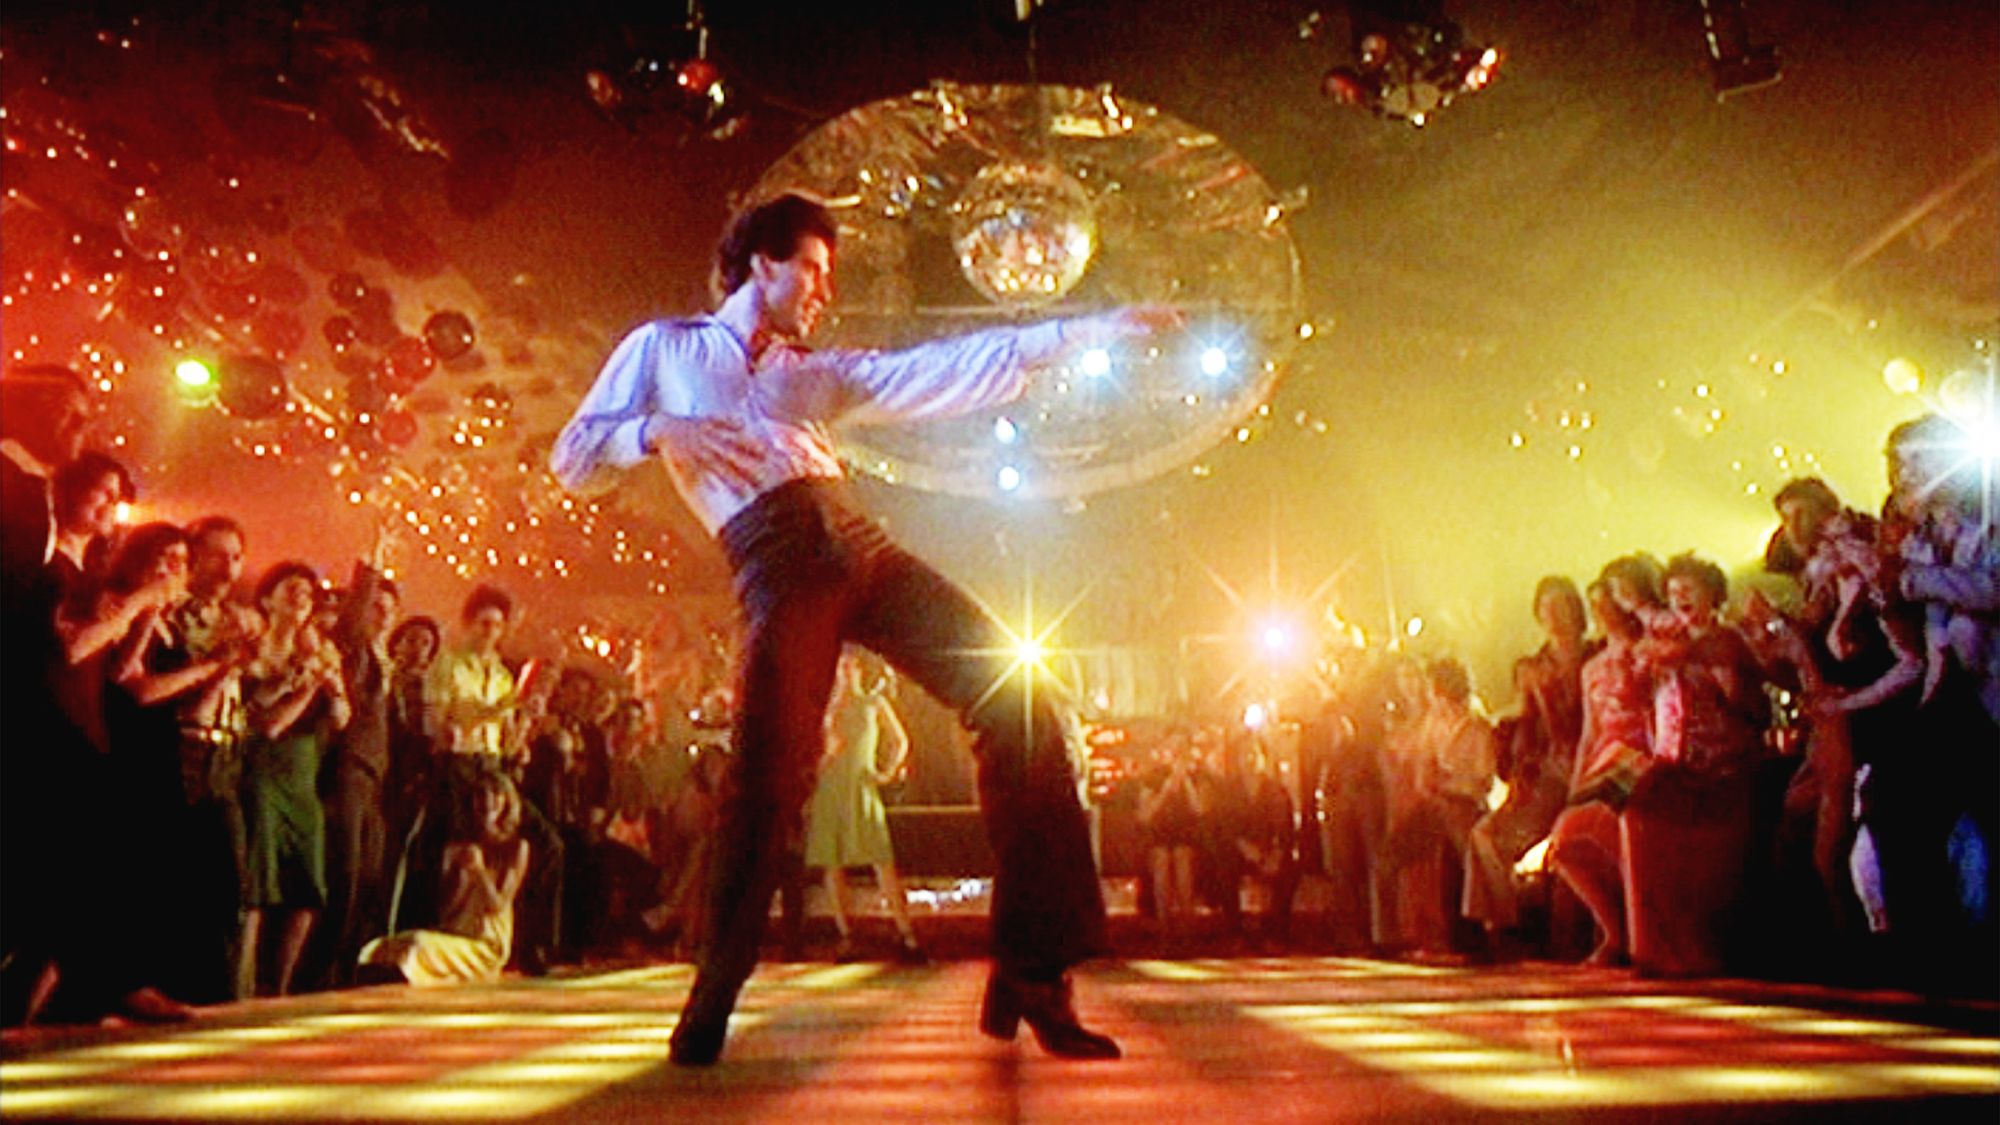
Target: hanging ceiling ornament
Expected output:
[962,207]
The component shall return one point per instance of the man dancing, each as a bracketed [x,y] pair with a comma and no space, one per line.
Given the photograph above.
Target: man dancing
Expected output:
[737,410]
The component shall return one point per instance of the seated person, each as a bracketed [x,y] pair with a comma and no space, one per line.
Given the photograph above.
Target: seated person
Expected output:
[1252,836]
[481,875]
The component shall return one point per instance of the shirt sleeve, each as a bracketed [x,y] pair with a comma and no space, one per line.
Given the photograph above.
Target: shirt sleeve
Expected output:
[441,680]
[940,379]
[604,435]
[1968,589]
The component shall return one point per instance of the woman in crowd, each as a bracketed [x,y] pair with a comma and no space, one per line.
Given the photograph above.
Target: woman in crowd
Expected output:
[480,877]
[621,869]
[84,496]
[296,696]
[1171,806]
[1252,832]
[846,824]
[1613,748]
[1451,756]
[1345,737]
[154,673]
[413,644]
[1688,824]
[1543,745]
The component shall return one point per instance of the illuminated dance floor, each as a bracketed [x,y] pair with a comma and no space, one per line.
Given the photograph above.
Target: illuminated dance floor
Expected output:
[1287,1039]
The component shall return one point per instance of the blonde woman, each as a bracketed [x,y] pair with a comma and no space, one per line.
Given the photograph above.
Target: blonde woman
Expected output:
[481,877]
[846,824]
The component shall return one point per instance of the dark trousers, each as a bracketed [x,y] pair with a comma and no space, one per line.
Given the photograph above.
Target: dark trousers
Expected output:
[357,855]
[812,573]
[209,889]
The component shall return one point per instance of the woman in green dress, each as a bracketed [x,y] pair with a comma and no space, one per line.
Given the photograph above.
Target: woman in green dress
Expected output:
[846,825]
[296,698]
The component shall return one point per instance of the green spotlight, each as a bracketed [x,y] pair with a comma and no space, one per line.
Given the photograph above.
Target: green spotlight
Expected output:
[194,375]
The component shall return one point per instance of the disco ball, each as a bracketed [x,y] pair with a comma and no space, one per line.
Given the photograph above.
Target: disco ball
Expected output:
[1024,232]
[964,207]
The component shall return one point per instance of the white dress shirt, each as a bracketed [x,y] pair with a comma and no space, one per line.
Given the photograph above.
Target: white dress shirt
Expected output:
[698,368]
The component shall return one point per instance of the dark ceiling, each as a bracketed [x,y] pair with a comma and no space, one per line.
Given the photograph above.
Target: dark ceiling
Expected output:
[1595,218]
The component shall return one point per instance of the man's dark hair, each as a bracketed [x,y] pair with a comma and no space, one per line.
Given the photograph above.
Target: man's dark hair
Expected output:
[1449,679]
[213,525]
[282,572]
[1557,586]
[1811,490]
[1640,570]
[1697,569]
[774,229]
[75,480]
[487,597]
[417,624]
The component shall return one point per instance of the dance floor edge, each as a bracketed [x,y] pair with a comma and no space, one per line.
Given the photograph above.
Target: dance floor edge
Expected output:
[1248,1039]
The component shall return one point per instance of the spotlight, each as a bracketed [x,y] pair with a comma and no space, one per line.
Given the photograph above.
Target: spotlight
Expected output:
[1409,69]
[1095,363]
[1415,627]
[1008,478]
[670,76]
[123,513]
[1479,67]
[194,375]
[1736,64]
[1902,376]
[1214,361]
[1276,638]
[1028,652]
[1005,431]
[699,77]
[1255,716]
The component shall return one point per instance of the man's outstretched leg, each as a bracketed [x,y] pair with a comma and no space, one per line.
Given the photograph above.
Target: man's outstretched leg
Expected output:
[1048,907]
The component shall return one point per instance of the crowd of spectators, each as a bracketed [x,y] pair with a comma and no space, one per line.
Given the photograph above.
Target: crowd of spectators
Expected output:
[1803,778]
[211,794]
[218,788]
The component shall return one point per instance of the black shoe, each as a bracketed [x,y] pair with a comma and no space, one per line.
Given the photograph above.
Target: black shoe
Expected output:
[703,1026]
[1048,1010]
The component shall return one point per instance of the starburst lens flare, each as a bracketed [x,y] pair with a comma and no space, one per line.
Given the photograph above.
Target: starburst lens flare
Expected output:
[1214,362]
[1095,363]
